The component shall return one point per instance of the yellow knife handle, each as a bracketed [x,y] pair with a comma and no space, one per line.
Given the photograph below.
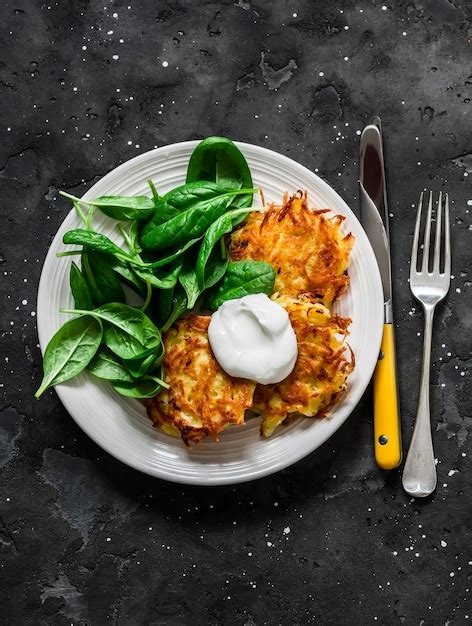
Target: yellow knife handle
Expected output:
[387,434]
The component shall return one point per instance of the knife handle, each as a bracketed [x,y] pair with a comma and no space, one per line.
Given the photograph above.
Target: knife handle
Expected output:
[387,437]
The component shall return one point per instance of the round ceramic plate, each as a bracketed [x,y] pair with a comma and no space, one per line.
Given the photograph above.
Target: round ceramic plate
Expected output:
[120,425]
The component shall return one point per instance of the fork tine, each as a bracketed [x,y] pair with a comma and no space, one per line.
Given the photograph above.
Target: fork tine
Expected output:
[447,255]
[427,233]
[414,249]
[437,238]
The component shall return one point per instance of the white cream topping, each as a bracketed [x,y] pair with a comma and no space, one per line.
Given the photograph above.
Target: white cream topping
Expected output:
[252,337]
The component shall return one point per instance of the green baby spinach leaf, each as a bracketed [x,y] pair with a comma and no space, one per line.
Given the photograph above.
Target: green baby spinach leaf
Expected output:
[120,207]
[128,332]
[101,278]
[219,159]
[164,305]
[107,366]
[93,241]
[220,227]
[126,273]
[145,387]
[243,278]
[179,306]
[70,350]
[162,279]
[215,270]
[139,367]
[79,288]
[195,212]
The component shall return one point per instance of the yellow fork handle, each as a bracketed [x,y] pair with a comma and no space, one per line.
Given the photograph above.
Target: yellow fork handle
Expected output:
[387,436]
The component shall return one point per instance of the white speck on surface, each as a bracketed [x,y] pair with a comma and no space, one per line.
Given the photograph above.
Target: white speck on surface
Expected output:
[320,73]
[384,8]
[165,63]
[294,14]
[115,57]
[443,543]
[452,472]
[24,302]
[346,58]
[286,530]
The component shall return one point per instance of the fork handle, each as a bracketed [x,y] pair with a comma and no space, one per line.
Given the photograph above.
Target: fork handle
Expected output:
[387,438]
[419,474]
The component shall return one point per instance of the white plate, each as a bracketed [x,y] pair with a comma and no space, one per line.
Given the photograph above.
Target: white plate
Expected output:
[120,425]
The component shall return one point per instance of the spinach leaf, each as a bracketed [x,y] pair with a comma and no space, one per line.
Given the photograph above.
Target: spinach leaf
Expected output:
[174,255]
[79,288]
[188,280]
[120,207]
[219,159]
[128,332]
[145,387]
[179,306]
[139,367]
[165,303]
[181,198]
[243,278]
[107,366]
[163,279]
[100,243]
[70,350]
[220,227]
[186,195]
[101,278]
[93,241]
[192,219]
[188,277]
[123,344]
[215,271]
[127,273]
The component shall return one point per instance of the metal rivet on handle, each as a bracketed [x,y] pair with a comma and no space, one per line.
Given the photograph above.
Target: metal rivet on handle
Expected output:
[383,439]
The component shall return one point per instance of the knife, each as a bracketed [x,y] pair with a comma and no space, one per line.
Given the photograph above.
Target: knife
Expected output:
[374,219]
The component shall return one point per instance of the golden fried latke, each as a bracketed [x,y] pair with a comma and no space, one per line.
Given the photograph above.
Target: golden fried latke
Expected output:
[306,248]
[321,370]
[202,399]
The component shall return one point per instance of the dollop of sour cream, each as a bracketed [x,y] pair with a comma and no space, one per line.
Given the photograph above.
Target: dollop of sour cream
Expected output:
[252,337]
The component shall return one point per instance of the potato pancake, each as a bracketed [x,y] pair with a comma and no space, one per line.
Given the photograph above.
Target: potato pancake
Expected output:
[324,362]
[306,248]
[202,399]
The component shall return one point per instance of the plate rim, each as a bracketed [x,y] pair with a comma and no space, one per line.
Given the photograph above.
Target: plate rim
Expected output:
[257,473]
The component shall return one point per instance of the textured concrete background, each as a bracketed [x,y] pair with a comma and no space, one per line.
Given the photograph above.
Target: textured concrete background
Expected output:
[88,84]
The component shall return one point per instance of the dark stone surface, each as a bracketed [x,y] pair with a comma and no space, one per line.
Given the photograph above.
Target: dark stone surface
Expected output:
[85,540]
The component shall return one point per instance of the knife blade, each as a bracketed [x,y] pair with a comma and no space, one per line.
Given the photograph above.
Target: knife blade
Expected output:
[375,220]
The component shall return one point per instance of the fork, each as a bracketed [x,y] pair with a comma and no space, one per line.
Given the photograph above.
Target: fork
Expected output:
[429,288]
